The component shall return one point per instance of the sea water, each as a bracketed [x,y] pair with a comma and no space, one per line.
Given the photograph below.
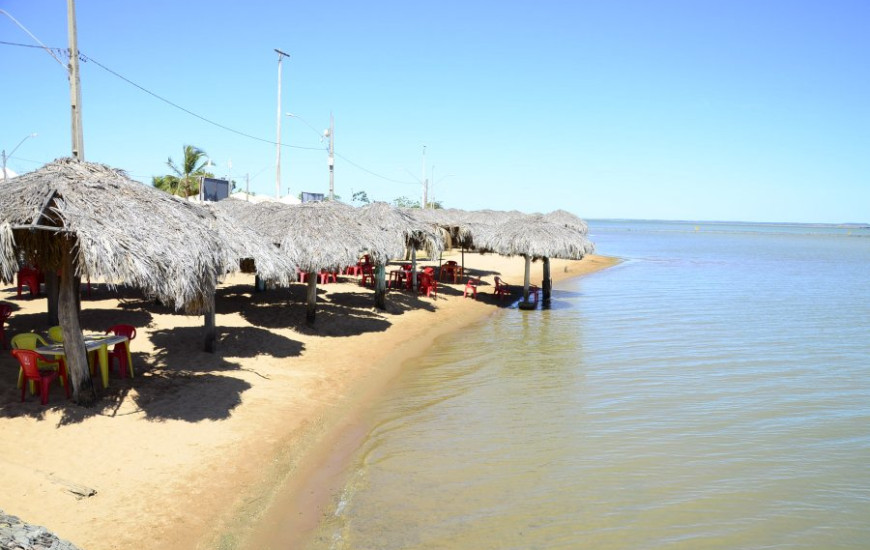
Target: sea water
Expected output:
[711,391]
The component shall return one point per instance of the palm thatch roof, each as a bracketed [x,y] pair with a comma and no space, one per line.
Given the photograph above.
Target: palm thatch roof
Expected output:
[259,216]
[535,237]
[331,235]
[566,218]
[239,241]
[122,231]
[402,229]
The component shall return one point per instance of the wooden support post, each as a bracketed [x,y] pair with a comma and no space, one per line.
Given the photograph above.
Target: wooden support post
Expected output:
[547,283]
[210,324]
[526,304]
[83,388]
[414,269]
[381,286]
[51,293]
[78,286]
[312,297]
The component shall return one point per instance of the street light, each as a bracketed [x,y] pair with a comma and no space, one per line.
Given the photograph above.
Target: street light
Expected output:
[281,55]
[328,133]
[5,156]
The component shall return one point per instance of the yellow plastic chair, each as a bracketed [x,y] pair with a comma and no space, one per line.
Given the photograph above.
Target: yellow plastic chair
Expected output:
[56,334]
[31,341]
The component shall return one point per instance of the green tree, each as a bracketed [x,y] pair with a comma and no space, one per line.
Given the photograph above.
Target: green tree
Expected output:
[184,181]
[405,202]
[361,196]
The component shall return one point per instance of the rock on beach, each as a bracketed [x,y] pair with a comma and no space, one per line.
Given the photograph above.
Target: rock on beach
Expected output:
[18,535]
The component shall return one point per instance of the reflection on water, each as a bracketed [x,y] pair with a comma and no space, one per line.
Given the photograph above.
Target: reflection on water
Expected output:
[710,392]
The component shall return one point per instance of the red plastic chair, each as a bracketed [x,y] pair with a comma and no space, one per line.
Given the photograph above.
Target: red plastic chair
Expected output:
[120,352]
[450,269]
[471,285]
[428,284]
[5,313]
[29,277]
[501,288]
[368,275]
[29,361]
[325,276]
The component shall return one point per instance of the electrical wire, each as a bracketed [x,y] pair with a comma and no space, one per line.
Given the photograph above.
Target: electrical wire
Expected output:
[86,58]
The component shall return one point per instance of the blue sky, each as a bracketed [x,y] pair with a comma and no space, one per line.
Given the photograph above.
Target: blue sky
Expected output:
[700,110]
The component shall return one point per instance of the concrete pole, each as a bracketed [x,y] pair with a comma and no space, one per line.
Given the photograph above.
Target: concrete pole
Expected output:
[281,56]
[331,157]
[78,142]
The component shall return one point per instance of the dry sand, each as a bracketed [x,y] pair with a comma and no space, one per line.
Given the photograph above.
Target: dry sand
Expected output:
[195,448]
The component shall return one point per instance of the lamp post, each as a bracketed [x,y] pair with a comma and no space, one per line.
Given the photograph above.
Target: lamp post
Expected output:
[281,56]
[328,133]
[5,156]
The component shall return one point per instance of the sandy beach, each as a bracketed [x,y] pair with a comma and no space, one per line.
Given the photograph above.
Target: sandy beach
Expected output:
[196,447]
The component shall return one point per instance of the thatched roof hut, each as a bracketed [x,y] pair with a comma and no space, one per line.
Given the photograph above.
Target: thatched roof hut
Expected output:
[90,220]
[120,231]
[402,229]
[566,218]
[534,237]
[240,241]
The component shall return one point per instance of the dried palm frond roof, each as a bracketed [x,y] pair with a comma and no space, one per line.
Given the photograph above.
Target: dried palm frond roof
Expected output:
[122,231]
[330,235]
[535,237]
[239,241]
[566,218]
[403,229]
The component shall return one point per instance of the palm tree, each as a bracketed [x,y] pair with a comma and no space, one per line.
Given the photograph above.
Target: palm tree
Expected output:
[185,180]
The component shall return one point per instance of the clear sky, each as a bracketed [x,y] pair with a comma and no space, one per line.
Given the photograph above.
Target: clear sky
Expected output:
[748,110]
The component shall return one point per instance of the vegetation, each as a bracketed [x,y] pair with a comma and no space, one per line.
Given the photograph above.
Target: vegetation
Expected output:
[184,180]
[361,197]
[405,202]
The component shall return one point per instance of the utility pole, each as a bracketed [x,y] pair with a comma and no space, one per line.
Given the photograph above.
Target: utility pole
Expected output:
[75,91]
[281,56]
[425,181]
[331,159]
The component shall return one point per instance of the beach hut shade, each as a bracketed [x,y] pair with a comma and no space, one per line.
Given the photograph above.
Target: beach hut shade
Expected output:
[535,237]
[90,220]
[240,241]
[566,218]
[121,231]
[402,229]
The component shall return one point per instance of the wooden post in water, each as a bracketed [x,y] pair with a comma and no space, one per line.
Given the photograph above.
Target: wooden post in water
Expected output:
[312,297]
[547,283]
[381,286]
[526,304]
[73,341]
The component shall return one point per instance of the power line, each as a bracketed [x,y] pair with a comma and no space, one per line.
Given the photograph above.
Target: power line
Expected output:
[188,111]
[86,58]
[373,173]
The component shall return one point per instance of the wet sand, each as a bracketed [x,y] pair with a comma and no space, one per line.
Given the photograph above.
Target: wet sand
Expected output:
[198,447]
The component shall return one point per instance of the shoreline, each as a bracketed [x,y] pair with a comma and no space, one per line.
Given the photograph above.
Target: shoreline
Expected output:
[291,518]
[199,447]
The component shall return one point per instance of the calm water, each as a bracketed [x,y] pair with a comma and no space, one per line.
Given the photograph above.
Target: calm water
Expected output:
[713,391]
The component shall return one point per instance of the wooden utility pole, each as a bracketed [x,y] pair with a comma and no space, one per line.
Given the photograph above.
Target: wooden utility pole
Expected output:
[75,91]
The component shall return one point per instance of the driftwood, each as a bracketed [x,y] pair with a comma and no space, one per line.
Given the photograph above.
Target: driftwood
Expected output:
[79,491]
